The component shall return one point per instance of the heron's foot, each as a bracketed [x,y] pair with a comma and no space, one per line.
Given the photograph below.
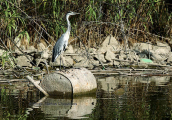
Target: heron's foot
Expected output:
[63,69]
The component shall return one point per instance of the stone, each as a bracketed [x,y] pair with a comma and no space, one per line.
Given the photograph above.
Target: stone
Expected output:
[18,52]
[57,61]
[104,49]
[69,49]
[78,58]
[142,46]
[116,63]
[100,57]
[109,55]
[84,63]
[45,54]
[110,40]
[110,63]
[68,61]
[161,80]
[2,52]
[23,61]
[38,61]
[41,47]
[142,55]
[92,50]
[169,60]
[160,44]
[95,63]
[158,58]
[162,48]
[31,48]
[121,56]
[134,56]
[77,50]
[23,47]
[17,41]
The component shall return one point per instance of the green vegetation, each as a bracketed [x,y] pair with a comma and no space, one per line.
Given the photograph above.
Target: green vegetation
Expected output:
[7,101]
[128,20]
[6,60]
[146,15]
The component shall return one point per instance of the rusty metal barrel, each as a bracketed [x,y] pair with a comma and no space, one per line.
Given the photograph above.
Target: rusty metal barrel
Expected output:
[76,81]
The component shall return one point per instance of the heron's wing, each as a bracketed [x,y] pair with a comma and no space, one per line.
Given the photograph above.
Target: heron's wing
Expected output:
[59,47]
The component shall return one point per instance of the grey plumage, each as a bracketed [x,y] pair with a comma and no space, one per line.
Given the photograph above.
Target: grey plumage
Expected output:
[62,42]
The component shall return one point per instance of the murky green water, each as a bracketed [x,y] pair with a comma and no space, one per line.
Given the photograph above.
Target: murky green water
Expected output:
[117,97]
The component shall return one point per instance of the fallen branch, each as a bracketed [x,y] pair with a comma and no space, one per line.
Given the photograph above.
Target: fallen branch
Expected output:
[37,85]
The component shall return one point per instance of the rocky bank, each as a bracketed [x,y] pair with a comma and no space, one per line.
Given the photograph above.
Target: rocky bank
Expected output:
[111,53]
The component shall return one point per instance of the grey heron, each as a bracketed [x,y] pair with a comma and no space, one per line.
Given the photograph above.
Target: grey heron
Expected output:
[62,42]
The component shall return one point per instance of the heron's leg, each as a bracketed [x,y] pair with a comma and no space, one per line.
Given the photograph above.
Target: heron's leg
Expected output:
[60,62]
[63,63]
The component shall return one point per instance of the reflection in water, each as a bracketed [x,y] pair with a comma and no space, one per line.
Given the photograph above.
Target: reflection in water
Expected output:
[117,97]
[126,97]
[72,108]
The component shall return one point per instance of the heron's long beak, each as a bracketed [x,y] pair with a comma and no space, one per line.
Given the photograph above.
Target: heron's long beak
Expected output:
[77,13]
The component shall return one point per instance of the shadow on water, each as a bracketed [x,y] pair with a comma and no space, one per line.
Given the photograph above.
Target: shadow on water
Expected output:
[117,97]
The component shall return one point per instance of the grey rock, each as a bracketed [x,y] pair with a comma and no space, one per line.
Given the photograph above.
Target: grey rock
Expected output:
[45,54]
[121,56]
[169,60]
[142,55]
[38,61]
[41,47]
[142,46]
[158,58]
[116,63]
[104,49]
[68,61]
[109,56]
[162,48]
[69,49]
[17,41]
[134,56]
[100,57]
[110,63]
[95,62]
[161,80]
[2,52]
[31,48]
[92,50]
[78,58]
[23,61]
[23,47]
[84,63]
[59,62]
[110,40]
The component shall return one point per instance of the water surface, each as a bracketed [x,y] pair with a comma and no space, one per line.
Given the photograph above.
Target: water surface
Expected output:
[117,97]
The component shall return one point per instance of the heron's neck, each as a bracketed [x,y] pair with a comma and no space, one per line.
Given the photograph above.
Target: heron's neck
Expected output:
[68,23]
